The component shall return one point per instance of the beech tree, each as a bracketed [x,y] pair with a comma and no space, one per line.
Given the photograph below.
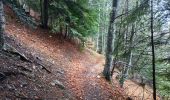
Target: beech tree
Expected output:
[109,49]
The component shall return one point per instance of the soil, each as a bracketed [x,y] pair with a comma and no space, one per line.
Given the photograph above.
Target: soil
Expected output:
[55,69]
[50,58]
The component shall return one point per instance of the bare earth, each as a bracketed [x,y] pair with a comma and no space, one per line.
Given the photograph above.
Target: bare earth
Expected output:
[77,70]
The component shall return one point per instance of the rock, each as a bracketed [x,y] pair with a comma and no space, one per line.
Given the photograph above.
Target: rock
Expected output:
[98,76]
[58,83]
[41,67]
[60,71]
[34,67]
[2,76]
[11,87]
[50,36]
[1,88]
[24,84]
[9,48]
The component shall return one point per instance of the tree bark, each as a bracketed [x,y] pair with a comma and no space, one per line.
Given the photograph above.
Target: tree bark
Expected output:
[153,53]
[100,42]
[45,14]
[2,25]
[97,42]
[41,10]
[116,45]
[109,49]
[99,32]
[128,58]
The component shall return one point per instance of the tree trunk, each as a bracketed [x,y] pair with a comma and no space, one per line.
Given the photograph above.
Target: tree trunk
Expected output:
[153,53]
[128,58]
[109,49]
[45,14]
[97,42]
[127,26]
[2,25]
[127,46]
[116,46]
[100,33]
[103,42]
[41,8]
[100,44]
[66,31]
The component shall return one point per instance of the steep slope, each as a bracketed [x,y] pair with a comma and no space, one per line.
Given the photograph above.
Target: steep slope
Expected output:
[74,72]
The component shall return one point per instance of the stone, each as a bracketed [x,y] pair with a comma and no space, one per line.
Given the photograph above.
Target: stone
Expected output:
[2,76]
[98,76]
[58,83]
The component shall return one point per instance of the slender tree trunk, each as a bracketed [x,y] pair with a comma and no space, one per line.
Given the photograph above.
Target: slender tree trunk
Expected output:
[117,44]
[61,29]
[41,8]
[127,27]
[100,44]
[103,42]
[66,31]
[2,25]
[153,53]
[143,93]
[128,48]
[128,58]
[45,14]
[97,42]
[109,49]
[99,32]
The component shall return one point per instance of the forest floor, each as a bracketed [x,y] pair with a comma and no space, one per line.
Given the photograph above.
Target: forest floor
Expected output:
[56,69]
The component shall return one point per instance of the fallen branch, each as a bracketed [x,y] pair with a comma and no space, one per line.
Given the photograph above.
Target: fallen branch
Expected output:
[43,67]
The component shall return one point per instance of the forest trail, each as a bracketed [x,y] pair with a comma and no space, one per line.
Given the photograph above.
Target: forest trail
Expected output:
[79,70]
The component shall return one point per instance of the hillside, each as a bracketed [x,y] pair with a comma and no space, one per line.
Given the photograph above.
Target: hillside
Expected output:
[38,64]
[85,49]
[55,69]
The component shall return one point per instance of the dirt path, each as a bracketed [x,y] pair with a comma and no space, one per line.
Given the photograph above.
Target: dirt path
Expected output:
[80,70]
